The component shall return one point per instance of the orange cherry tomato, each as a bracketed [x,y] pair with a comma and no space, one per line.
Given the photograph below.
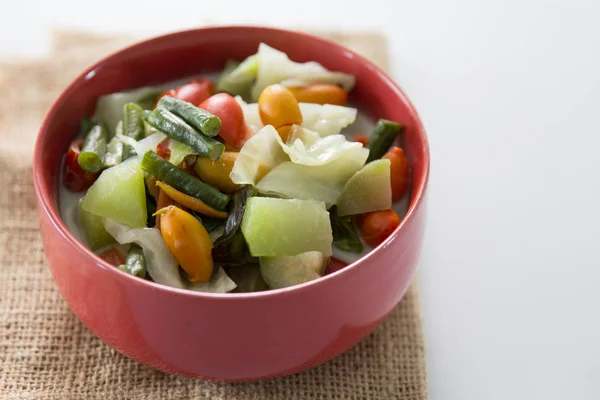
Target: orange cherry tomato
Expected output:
[320,93]
[112,256]
[361,138]
[233,127]
[399,174]
[376,226]
[74,177]
[195,91]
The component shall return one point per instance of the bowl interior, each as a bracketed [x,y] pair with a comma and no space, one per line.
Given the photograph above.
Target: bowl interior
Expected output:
[206,50]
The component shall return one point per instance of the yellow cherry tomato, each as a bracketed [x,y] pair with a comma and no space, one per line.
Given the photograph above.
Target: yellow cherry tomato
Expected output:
[277,106]
[188,241]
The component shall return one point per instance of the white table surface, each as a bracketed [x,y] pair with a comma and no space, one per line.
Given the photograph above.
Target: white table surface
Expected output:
[509,93]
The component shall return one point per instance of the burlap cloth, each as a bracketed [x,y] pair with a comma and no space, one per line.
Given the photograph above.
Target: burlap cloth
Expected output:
[45,352]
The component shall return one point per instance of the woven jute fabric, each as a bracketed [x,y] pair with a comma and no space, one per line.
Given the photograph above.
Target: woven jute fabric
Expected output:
[47,353]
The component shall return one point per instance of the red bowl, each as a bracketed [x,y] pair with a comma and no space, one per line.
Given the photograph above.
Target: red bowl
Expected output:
[227,336]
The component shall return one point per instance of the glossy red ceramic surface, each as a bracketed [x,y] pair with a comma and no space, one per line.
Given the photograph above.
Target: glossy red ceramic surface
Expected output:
[227,336]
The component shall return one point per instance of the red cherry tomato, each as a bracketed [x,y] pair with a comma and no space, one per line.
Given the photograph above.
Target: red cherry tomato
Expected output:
[74,178]
[233,127]
[376,226]
[112,256]
[195,91]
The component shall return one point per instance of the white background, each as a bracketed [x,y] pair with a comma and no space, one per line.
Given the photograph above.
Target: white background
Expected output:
[509,93]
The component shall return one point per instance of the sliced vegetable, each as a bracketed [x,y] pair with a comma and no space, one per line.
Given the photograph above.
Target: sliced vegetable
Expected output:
[135,264]
[320,93]
[237,79]
[160,263]
[344,234]
[274,66]
[259,155]
[318,182]
[178,129]
[248,278]
[278,107]
[112,256]
[190,202]
[200,119]
[233,127]
[382,138]
[119,194]
[376,226]
[217,172]
[399,174]
[230,247]
[278,227]
[280,272]
[93,228]
[368,190]
[188,241]
[93,151]
[325,119]
[194,92]
[308,148]
[75,178]
[173,176]
[219,282]
[133,121]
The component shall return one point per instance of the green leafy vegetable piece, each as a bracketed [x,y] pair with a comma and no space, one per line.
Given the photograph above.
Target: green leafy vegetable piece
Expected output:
[279,227]
[368,190]
[119,194]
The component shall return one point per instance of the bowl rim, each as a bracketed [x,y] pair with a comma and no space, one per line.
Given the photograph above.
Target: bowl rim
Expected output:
[47,206]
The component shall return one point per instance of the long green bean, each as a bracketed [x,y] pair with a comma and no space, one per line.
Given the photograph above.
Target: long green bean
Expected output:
[180,180]
[382,138]
[133,121]
[176,128]
[91,158]
[135,263]
[200,119]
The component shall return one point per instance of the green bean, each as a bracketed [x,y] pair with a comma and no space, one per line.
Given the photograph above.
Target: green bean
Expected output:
[180,180]
[200,119]
[91,158]
[344,234]
[114,152]
[382,138]
[176,128]
[133,121]
[135,263]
